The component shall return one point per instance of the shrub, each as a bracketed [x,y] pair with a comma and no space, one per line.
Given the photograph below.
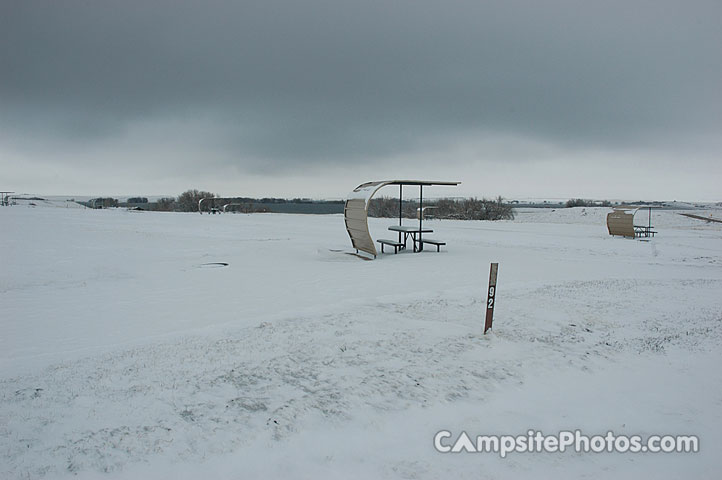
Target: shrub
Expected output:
[463,209]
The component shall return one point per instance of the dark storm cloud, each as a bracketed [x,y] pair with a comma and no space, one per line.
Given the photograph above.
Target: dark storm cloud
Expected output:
[313,81]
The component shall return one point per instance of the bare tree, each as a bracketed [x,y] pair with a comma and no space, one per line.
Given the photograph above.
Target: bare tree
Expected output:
[188,200]
[166,204]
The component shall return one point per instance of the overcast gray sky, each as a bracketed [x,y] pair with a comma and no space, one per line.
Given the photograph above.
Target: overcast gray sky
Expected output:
[612,99]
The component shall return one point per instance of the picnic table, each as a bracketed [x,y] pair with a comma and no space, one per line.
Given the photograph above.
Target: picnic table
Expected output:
[407,230]
[644,231]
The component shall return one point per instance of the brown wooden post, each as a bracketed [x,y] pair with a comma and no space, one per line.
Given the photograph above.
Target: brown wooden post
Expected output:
[490,300]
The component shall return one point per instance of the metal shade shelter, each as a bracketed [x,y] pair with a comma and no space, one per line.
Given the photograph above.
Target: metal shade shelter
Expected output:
[621,222]
[5,198]
[357,206]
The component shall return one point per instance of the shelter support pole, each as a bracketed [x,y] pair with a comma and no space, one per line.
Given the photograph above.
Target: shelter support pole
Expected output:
[401,194]
[421,215]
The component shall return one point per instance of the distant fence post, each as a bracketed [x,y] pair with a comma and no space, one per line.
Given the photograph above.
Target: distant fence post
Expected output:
[491,292]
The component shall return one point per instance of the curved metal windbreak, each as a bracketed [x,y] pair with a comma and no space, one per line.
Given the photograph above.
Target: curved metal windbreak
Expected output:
[357,207]
[621,222]
[356,216]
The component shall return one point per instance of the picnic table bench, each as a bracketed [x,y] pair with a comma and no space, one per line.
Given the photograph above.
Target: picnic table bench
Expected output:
[434,241]
[392,243]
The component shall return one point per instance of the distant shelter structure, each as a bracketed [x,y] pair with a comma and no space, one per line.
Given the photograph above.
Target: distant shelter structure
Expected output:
[621,222]
[5,198]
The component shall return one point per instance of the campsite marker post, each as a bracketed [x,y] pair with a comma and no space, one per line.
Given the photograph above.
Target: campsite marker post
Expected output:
[490,298]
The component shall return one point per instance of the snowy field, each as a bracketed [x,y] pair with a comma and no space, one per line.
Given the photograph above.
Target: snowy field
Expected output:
[123,355]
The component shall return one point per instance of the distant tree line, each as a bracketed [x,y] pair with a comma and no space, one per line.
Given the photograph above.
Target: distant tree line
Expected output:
[583,202]
[101,202]
[165,204]
[463,209]
[188,202]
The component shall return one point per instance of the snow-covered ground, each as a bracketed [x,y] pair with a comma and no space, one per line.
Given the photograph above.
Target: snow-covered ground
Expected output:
[124,355]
